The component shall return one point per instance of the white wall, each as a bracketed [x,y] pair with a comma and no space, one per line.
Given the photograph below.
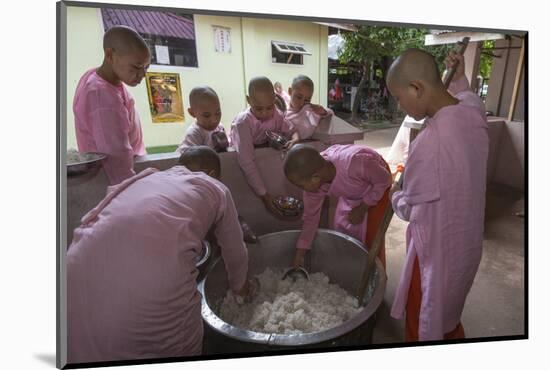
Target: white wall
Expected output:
[84,51]
[257,37]
[228,74]
[510,165]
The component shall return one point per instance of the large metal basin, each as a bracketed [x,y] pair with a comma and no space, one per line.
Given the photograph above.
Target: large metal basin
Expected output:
[339,256]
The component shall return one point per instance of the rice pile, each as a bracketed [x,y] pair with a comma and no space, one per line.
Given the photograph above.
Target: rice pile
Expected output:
[287,307]
[74,156]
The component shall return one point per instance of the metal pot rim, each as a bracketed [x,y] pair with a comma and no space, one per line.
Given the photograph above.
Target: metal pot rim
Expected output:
[96,157]
[208,251]
[220,326]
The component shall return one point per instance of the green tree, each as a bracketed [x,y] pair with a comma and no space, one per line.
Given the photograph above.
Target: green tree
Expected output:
[486,58]
[372,45]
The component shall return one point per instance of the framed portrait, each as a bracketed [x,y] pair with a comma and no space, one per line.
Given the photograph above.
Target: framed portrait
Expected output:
[165,100]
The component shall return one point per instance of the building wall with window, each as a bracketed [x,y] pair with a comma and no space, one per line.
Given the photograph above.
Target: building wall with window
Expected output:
[227,73]
[257,37]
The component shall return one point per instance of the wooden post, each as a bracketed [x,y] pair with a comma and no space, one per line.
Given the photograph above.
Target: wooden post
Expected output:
[506,62]
[515,91]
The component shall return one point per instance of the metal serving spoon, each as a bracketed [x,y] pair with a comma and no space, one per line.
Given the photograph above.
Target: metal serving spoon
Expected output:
[296,273]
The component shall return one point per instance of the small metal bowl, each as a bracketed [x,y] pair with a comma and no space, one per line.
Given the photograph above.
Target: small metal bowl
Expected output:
[87,162]
[221,142]
[275,140]
[206,251]
[288,205]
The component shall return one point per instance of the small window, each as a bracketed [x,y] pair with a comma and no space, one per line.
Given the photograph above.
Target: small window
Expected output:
[288,52]
[170,35]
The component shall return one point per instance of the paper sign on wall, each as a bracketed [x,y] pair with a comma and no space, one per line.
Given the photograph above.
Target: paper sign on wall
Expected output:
[163,56]
[222,39]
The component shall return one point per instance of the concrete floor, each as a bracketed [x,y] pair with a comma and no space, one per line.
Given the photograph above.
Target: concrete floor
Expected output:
[495,305]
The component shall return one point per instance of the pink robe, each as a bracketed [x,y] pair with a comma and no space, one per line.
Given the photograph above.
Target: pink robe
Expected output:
[285,97]
[399,150]
[131,275]
[248,131]
[305,120]
[361,176]
[443,199]
[196,135]
[106,121]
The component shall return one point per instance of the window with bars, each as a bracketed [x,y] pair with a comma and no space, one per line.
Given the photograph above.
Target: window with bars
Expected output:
[169,35]
[288,52]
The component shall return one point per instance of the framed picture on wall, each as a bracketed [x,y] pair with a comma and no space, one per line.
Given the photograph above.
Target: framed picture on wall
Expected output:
[165,101]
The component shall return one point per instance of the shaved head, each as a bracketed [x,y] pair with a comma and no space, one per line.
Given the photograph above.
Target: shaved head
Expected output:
[302,79]
[124,40]
[302,161]
[202,93]
[201,158]
[259,84]
[414,65]
[261,98]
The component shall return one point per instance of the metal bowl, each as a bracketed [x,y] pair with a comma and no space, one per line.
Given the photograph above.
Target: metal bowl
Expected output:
[220,140]
[339,256]
[275,140]
[206,251]
[288,206]
[88,162]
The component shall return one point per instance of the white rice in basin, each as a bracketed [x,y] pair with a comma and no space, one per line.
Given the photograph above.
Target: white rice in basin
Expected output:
[287,307]
[74,156]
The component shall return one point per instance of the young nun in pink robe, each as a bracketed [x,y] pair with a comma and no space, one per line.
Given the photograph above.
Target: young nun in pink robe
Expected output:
[357,175]
[204,106]
[131,275]
[301,114]
[443,196]
[106,120]
[249,129]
